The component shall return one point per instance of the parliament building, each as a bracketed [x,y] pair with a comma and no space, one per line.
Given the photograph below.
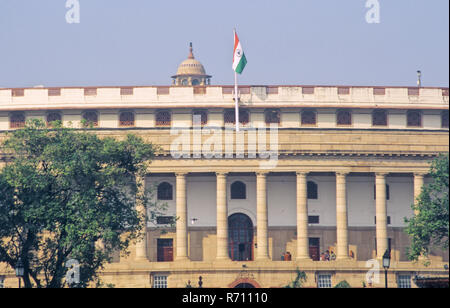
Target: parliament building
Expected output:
[350,161]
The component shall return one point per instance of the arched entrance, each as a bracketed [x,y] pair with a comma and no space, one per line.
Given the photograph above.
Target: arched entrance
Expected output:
[244,283]
[240,237]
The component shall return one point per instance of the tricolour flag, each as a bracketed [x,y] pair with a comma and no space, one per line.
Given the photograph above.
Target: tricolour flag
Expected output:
[239,60]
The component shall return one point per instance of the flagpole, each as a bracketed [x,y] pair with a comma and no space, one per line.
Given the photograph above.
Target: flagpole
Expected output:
[236,100]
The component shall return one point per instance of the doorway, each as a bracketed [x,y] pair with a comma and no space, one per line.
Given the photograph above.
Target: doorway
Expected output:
[165,250]
[314,248]
[240,237]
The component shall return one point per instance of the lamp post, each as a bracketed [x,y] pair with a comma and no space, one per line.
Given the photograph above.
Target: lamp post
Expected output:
[386,264]
[19,270]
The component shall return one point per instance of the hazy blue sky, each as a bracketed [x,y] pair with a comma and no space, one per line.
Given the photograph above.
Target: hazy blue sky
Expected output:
[141,42]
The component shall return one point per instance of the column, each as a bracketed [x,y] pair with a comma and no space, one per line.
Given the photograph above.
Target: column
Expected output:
[222,217]
[141,244]
[181,208]
[418,184]
[341,216]
[302,218]
[381,214]
[262,218]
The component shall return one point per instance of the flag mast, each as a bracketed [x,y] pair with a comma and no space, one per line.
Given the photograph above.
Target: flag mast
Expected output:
[239,62]
[236,100]
[236,94]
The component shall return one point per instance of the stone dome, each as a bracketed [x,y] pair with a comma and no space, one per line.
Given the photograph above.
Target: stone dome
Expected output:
[191,72]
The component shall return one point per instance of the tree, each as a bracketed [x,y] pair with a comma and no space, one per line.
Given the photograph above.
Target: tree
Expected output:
[342,285]
[430,227]
[298,281]
[66,195]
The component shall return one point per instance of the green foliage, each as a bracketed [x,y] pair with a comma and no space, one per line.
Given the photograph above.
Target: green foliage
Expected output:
[430,227]
[65,192]
[342,285]
[299,280]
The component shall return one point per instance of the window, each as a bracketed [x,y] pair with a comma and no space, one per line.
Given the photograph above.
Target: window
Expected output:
[312,190]
[313,219]
[344,117]
[126,91]
[195,82]
[165,191]
[91,118]
[324,281]
[165,220]
[272,116]
[52,117]
[201,115]
[163,118]
[404,281]
[160,282]
[126,119]
[238,191]
[90,91]
[388,193]
[444,119]
[414,118]
[17,120]
[230,117]
[379,118]
[54,92]
[309,117]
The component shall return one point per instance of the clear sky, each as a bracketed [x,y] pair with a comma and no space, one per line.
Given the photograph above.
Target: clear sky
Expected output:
[141,42]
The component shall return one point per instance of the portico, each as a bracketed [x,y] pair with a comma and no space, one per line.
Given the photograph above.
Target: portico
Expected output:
[265,239]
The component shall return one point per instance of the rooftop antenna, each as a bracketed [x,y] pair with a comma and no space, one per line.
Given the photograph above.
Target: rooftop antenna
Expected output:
[419,79]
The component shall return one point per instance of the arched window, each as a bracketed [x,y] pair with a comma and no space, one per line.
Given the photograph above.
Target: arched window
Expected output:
[17,120]
[309,117]
[344,117]
[414,118]
[238,191]
[200,114]
[195,82]
[312,190]
[379,118]
[230,117]
[126,119]
[272,116]
[163,118]
[91,118]
[444,119]
[165,191]
[53,117]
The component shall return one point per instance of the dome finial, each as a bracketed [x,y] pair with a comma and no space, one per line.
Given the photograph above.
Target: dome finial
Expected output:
[191,53]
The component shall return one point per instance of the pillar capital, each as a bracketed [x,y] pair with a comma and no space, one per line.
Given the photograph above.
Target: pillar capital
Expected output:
[342,173]
[381,174]
[301,173]
[221,174]
[181,174]
[262,173]
[420,174]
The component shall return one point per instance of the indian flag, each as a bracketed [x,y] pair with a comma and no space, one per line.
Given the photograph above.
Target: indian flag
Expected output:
[239,60]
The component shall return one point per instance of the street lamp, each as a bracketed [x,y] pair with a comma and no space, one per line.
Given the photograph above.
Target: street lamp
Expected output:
[19,270]
[386,264]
